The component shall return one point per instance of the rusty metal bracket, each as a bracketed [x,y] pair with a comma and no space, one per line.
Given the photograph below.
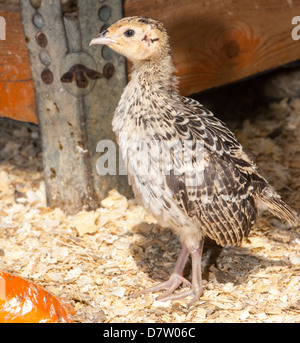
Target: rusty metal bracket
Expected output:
[77,88]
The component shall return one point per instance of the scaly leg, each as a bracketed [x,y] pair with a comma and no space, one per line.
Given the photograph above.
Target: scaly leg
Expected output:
[197,285]
[175,279]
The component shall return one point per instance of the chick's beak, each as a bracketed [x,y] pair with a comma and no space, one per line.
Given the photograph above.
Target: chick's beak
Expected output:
[104,39]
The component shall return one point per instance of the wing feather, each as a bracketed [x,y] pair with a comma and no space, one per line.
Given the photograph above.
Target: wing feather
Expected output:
[222,199]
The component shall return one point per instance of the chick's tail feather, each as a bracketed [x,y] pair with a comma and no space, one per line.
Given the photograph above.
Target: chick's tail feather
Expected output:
[280,209]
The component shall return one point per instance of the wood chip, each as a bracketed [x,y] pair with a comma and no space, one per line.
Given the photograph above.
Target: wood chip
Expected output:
[95,259]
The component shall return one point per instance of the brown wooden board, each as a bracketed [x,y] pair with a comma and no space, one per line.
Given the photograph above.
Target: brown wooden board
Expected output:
[17,99]
[214,43]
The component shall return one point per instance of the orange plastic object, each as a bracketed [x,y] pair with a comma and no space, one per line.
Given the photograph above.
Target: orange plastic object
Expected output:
[22,301]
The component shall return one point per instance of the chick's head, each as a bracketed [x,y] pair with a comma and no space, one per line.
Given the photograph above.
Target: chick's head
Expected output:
[137,38]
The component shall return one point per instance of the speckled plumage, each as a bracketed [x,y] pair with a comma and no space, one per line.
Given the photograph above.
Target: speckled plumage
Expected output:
[185,166]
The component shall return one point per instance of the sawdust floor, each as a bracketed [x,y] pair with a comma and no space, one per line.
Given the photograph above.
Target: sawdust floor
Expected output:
[96,259]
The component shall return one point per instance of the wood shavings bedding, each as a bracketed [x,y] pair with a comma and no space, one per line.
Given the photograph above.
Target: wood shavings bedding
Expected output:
[96,259]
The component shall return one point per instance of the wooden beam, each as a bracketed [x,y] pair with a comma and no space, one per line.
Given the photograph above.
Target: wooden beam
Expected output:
[75,97]
[220,41]
[17,98]
[214,43]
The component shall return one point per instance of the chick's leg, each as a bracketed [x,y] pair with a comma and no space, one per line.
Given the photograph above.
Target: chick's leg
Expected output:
[175,279]
[197,285]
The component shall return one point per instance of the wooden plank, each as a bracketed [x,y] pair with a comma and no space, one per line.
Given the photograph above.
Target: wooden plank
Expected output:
[220,41]
[214,43]
[73,116]
[17,99]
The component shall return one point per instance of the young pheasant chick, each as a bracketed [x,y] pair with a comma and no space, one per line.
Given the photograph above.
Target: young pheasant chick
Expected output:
[185,166]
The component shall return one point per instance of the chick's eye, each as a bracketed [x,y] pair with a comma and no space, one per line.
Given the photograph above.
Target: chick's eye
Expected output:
[129,33]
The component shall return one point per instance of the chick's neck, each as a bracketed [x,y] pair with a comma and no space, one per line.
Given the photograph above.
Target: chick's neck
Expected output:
[156,72]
